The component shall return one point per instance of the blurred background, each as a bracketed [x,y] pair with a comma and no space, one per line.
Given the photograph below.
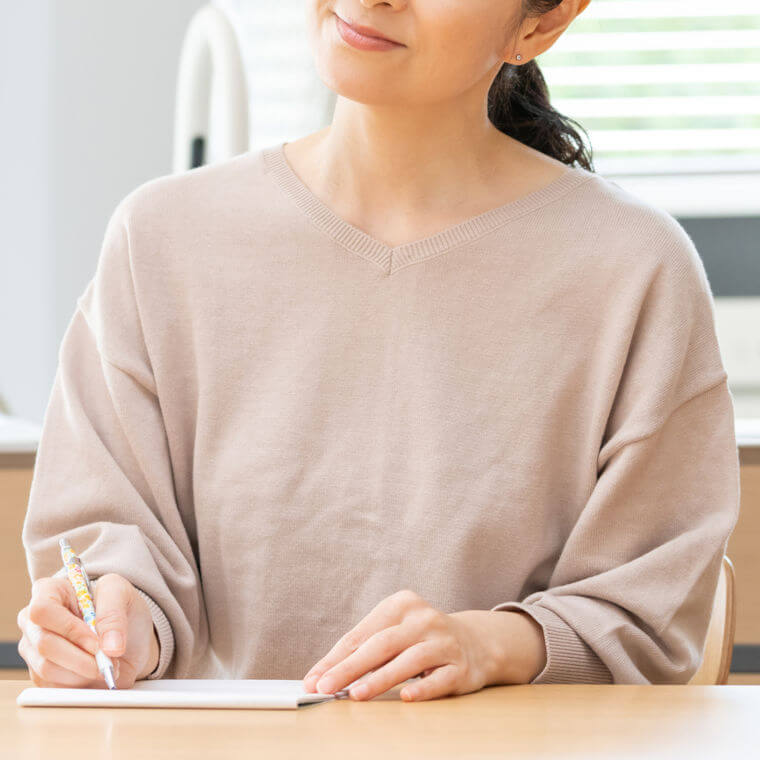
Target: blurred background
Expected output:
[98,97]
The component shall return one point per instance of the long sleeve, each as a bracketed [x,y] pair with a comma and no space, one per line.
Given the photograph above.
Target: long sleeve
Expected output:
[631,593]
[103,474]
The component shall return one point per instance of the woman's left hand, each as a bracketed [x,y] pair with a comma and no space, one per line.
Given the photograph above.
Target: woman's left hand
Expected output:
[403,637]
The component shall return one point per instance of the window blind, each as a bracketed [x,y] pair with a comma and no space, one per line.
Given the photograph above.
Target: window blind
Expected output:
[662,86]
[287,100]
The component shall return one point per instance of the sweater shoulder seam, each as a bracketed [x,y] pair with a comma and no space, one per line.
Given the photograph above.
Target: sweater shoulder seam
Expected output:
[658,426]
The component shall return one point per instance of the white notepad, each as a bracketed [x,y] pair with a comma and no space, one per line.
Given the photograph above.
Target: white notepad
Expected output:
[247,693]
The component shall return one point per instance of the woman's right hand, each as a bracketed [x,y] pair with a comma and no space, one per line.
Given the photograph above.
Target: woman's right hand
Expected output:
[59,647]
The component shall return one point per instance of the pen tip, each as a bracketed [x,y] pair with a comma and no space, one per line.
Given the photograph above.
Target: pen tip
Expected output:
[109,679]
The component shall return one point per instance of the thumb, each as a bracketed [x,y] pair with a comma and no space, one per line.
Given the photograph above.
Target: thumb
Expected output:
[113,595]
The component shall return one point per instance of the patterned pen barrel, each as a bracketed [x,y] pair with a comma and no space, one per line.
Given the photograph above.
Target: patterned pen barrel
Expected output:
[81,583]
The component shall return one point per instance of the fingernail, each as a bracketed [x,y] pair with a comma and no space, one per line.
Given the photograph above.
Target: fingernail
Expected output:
[112,641]
[325,686]
[360,691]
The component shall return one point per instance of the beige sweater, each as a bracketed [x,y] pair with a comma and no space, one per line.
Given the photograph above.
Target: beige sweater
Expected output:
[269,421]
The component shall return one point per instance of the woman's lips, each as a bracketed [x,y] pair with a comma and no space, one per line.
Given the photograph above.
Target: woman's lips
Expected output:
[363,41]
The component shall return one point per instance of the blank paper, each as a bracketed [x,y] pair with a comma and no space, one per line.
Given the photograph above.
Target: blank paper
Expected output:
[246,693]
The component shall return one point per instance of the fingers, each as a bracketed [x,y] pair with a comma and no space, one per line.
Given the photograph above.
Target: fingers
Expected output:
[58,646]
[113,599]
[424,654]
[380,648]
[390,611]
[52,659]
[342,649]
[54,640]
[50,646]
[438,684]
[45,672]
[49,608]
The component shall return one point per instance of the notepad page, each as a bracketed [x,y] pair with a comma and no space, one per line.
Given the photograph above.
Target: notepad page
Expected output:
[237,693]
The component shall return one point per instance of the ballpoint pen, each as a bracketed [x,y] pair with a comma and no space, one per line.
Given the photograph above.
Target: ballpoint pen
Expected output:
[82,589]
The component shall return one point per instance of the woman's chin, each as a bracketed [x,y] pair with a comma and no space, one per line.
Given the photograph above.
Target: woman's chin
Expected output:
[348,82]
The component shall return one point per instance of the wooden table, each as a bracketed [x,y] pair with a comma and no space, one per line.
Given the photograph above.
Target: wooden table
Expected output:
[533,721]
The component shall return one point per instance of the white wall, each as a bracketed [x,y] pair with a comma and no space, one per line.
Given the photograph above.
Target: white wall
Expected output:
[87,105]
[26,295]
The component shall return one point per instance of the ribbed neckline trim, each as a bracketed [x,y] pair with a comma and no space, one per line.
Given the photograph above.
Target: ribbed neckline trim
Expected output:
[393,258]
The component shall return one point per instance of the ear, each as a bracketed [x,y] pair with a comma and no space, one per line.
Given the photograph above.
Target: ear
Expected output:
[548,27]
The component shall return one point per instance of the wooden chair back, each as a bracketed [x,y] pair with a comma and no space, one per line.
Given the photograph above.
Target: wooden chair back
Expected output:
[719,644]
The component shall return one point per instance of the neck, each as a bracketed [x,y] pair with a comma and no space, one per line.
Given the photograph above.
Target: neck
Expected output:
[386,158]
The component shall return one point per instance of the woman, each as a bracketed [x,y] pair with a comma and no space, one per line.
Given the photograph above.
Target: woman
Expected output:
[419,394]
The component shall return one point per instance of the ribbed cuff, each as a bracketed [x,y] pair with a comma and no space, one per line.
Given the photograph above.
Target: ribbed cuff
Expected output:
[568,658]
[165,636]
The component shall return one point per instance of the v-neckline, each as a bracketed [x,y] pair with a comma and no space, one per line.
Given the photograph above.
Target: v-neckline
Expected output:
[393,258]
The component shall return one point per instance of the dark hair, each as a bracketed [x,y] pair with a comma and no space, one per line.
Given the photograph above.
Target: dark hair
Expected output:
[518,105]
